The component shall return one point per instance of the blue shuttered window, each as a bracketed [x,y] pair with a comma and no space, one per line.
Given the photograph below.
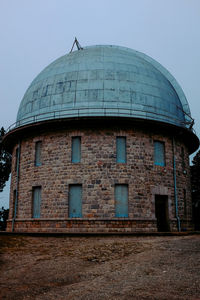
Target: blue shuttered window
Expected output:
[76,149]
[159,153]
[183,158]
[75,201]
[185,203]
[38,149]
[121,200]
[14,204]
[16,158]
[36,201]
[121,149]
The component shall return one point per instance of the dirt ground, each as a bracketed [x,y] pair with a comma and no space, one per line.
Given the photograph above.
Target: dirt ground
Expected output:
[106,267]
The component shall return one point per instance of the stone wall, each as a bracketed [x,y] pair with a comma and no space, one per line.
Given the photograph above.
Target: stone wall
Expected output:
[98,173]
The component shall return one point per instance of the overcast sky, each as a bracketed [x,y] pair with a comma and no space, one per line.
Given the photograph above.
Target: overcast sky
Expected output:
[33,33]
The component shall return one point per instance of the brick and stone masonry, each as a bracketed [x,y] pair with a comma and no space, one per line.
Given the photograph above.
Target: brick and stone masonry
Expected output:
[98,172]
[114,101]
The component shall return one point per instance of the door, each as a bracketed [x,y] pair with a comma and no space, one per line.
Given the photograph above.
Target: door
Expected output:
[121,200]
[161,210]
[75,201]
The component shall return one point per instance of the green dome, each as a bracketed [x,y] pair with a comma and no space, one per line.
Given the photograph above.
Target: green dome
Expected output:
[104,81]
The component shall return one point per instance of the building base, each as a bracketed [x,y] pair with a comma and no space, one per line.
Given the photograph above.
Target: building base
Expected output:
[89,225]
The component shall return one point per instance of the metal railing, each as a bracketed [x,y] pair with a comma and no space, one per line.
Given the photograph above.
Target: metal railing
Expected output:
[103,112]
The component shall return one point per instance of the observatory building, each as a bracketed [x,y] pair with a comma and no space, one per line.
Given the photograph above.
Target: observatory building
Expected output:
[101,144]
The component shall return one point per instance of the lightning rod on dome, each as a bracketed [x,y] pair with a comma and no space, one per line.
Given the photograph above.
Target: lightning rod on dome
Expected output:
[77,45]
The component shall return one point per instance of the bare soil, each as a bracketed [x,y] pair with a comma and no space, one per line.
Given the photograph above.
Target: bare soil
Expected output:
[106,267]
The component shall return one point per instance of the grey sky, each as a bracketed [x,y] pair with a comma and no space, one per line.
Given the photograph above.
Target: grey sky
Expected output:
[33,33]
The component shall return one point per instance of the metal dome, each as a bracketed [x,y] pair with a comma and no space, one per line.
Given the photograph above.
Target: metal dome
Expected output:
[104,81]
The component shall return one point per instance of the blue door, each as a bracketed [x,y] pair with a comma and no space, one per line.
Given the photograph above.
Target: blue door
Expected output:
[121,200]
[75,201]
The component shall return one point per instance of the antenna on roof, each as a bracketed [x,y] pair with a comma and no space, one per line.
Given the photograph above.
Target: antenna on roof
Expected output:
[77,45]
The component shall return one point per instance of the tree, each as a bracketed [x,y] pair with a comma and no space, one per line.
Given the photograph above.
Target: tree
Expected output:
[5,162]
[3,218]
[195,179]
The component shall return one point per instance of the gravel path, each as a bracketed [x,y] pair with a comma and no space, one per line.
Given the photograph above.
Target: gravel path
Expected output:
[111,267]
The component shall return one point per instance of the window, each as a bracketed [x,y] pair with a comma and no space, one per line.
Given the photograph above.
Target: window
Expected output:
[121,149]
[16,158]
[38,149]
[75,200]
[36,201]
[159,153]
[14,204]
[185,203]
[183,158]
[76,149]
[121,200]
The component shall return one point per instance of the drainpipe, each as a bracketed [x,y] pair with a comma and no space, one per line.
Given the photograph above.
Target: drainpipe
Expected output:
[175,188]
[17,186]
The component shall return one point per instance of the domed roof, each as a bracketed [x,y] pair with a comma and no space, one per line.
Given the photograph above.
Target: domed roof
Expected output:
[104,81]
